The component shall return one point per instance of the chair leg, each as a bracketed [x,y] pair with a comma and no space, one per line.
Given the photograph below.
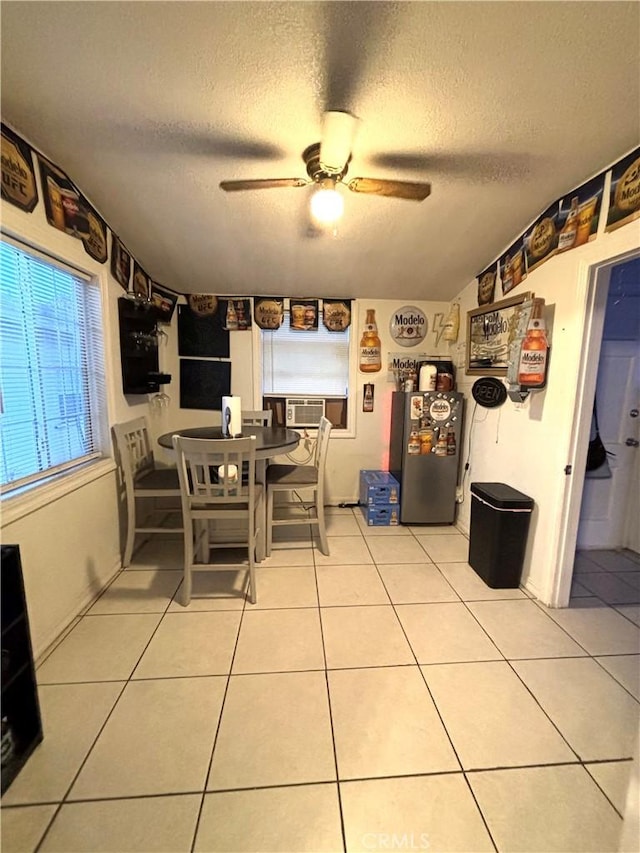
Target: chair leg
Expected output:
[131,532]
[188,562]
[252,574]
[269,522]
[322,530]
[251,553]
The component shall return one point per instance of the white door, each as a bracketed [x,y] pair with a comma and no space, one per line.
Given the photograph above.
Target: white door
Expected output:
[607,504]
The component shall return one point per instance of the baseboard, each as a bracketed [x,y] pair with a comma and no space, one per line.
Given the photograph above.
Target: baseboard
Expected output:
[82,603]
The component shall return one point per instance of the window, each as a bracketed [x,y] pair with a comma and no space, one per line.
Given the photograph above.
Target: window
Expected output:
[51,399]
[312,364]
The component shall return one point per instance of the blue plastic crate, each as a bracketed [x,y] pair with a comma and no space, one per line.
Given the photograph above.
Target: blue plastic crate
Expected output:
[381,516]
[378,487]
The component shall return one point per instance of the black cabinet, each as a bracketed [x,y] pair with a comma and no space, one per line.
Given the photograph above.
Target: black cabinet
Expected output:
[21,724]
[139,348]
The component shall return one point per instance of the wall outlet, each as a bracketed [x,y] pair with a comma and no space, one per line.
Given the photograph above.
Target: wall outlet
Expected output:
[459,494]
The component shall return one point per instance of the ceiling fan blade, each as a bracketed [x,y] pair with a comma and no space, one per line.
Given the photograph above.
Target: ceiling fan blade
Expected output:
[262,184]
[411,190]
[338,132]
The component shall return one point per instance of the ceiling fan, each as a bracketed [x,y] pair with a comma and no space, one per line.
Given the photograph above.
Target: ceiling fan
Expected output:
[327,163]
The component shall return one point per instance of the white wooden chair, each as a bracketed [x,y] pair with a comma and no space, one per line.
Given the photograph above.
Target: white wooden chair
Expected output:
[257,417]
[281,478]
[143,479]
[213,489]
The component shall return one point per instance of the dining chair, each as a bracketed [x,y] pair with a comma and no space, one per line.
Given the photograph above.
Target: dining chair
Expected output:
[281,478]
[143,479]
[257,417]
[212,490]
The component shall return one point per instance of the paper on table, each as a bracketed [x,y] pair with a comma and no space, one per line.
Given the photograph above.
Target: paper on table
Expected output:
[231,417]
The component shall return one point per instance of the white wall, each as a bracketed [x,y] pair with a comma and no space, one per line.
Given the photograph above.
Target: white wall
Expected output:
[528,446]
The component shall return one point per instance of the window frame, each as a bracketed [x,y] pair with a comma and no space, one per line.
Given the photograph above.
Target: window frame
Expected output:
[30,493]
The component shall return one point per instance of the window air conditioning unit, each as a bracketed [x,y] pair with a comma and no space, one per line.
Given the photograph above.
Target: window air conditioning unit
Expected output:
[303,412]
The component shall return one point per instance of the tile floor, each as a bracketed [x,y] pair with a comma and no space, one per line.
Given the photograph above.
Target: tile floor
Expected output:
[379,698]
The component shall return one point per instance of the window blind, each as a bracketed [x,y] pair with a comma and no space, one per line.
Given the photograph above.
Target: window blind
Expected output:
[305,363]
[50,333]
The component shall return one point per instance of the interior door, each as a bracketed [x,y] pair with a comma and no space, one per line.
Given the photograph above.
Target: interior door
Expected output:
[606,503]
[632,417]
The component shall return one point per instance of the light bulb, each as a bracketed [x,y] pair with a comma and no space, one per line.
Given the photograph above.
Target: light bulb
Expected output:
[327,206]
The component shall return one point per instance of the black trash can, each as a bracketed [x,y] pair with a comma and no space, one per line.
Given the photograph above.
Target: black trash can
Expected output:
[500,519]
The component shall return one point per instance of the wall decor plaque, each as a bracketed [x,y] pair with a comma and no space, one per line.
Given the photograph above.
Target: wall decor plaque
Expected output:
[408,326]
[490,330]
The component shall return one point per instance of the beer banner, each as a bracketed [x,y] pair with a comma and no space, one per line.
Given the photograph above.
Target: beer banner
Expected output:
[237,315]
[141,282]
[120,262]
[18,176]
[303,314]
[164,301]
[579,214]
[95,244]
[64,207]
[624,200]
[512,265]
[268,311]
[336,314]
[541,242]
[202,304]
[487,285]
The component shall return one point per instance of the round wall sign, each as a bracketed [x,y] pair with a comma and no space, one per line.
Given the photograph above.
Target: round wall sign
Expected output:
[440,410]
[489,392]
[408,326]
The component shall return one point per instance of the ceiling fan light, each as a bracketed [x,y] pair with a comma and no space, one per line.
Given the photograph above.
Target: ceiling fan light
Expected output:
[338,130]
[327,206]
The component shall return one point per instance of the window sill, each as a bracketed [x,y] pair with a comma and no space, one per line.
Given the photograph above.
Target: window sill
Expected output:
[35,497]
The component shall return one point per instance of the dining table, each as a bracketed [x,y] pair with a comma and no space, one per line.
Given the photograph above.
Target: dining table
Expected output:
[270,442]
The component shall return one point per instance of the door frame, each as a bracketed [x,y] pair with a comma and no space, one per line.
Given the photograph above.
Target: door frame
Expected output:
[593,280]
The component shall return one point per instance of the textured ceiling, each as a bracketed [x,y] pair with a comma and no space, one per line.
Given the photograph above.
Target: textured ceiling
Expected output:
[502,107]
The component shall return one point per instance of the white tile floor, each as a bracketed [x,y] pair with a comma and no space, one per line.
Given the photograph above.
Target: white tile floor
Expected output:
[379,698]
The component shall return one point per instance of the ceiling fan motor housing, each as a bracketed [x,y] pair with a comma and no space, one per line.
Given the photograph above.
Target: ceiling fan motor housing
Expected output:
[311,157]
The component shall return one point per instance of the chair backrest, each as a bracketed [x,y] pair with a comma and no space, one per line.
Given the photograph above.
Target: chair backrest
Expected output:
[134,449]
[322,446]
[211,471]
[257,417]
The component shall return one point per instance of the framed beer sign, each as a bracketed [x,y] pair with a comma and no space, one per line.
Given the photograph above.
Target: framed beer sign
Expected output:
[490,330]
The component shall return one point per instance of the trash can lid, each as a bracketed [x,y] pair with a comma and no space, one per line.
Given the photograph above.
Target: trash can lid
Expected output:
[501,496]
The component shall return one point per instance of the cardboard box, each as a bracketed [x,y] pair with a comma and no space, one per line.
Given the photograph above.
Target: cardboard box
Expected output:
[377,488]
[381,516]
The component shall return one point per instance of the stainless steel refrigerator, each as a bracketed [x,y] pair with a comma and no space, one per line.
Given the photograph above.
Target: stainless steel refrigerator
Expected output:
[426,439]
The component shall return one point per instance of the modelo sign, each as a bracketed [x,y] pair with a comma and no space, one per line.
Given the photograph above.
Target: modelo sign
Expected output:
[408,326]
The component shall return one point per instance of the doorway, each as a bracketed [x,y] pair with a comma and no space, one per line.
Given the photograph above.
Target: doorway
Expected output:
[609,491]
[599,507]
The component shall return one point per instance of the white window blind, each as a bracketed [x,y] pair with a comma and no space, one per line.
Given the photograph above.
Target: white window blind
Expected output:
[50,362]
[310,363]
